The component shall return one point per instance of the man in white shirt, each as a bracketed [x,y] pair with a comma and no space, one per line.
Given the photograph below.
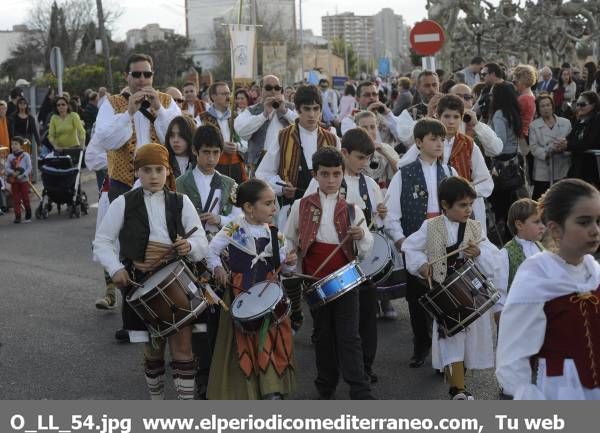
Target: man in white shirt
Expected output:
[472,71]
[260,124]
[192,104]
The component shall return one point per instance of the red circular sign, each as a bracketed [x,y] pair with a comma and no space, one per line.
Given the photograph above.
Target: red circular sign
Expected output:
[427,38]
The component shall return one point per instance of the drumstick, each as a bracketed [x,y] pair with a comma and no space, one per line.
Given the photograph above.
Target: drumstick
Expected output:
[385,199]
[478,182]
[214,203]
[35,190]
[272,280]
[172,248]
[309,277]
[287,186]
[336,250]
[454,252]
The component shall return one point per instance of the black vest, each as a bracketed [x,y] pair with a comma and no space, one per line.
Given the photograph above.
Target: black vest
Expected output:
[133,237]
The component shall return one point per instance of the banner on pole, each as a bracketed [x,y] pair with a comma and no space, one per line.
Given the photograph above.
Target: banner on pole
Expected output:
[274,58]
[243,43]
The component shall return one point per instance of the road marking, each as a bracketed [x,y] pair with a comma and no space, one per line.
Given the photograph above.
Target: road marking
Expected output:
[429,37]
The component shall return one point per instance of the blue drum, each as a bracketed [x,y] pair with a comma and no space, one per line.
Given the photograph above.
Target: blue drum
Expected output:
[334,285]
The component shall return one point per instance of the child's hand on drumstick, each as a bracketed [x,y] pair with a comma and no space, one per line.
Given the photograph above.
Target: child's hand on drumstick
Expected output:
[472,250]
[182,246]
[220,276]
[121,278]
[356,233]
[210,218]
[291,258]
[398,244]
[382,210]
[425,270]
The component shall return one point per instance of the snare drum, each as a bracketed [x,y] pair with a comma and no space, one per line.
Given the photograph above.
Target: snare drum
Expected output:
[168,300]
[463,297]
[378,265]
[262,301]
[335,285]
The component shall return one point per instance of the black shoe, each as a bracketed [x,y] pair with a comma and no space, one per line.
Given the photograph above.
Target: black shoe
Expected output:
[122,335]
[418,359]
[17,220]
[372,377]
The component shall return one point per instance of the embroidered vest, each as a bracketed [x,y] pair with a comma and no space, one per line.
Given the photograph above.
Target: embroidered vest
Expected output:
[573,332]
[290,150]
[516,256]
[133,237]
[414,195]
[460,157]
[437,242]
[120,161]
[310,213]
[199,107]
[186,184]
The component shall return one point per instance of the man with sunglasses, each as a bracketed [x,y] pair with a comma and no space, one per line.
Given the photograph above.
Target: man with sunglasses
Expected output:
[367,98]
[125,123]
[260,123]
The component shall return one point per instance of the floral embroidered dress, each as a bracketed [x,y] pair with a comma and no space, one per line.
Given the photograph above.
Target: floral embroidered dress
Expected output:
[239,369]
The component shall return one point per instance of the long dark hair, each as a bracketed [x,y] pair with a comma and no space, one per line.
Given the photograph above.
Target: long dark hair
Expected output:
[61,98]
[561,83]
[504,99]
[591,74]
[187,128]
[22,99]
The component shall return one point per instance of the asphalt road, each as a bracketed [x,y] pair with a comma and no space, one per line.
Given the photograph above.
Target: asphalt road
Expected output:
[56,345]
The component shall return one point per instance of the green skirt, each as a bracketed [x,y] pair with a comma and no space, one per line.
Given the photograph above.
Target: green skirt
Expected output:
[227,381]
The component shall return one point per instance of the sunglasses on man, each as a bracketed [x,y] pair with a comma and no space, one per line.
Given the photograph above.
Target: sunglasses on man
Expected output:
[138,74]
[269,88]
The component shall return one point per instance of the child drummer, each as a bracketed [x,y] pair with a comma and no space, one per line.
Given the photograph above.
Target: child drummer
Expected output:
[146,222]
[362,190]
[244,365]
[412,199]
[317,224]
[471,348]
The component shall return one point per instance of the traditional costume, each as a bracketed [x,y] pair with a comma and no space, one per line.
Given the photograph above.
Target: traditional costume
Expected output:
[316,225]
[231,164]
[250,366]
[550,331]
[437,237]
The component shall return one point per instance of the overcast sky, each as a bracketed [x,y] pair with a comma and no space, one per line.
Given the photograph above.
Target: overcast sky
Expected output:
[170,13]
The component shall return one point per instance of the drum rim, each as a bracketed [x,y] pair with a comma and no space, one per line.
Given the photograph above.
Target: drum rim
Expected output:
[270,311]
[324,301]
[461,325]
[389,260]
[270,308]
[175,276]
[353,263]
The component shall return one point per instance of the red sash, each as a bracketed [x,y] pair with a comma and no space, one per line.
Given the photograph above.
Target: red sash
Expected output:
[317,253]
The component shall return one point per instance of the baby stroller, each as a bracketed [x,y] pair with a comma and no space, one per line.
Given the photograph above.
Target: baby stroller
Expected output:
[61,179]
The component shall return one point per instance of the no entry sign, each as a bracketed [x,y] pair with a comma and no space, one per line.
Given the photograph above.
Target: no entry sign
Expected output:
[427,38]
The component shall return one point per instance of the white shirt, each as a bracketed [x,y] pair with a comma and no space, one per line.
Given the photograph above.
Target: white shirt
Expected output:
[225,131]
[113,130]
[106,249]
[327,232]
[247,124]
[389,120]
[530,248]
[182,162]
[203,186]
[393,225]
[256,231]
[479,172]
[269,167]
[353,193]
[491,143]
[95,155]
[541,278]
[415,255]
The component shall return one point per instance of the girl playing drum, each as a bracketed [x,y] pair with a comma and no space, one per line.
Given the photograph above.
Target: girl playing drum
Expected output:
[251,365]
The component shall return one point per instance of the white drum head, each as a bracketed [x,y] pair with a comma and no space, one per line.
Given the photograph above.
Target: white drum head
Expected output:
[378,257]
[249,305]
[153,281]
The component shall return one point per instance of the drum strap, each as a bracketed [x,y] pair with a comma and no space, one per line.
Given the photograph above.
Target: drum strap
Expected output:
[460,237]
[275,246]
[215,184]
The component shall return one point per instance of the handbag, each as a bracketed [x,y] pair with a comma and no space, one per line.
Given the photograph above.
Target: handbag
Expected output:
[507,174]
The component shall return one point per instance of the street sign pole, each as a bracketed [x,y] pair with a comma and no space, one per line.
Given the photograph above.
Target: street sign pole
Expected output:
[428,63]
[57,65]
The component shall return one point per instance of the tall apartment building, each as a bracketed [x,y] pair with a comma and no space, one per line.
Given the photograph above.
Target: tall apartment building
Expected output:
[357,30]
[391,35]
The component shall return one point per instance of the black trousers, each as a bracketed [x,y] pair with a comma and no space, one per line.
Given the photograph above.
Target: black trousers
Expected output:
[338,347]
[420,321]
[367,323]
[203,345]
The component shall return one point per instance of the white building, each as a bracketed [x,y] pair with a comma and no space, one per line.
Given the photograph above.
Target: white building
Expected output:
[357,30]
[9,39]
[148,33]
[205,19]
[391,36]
